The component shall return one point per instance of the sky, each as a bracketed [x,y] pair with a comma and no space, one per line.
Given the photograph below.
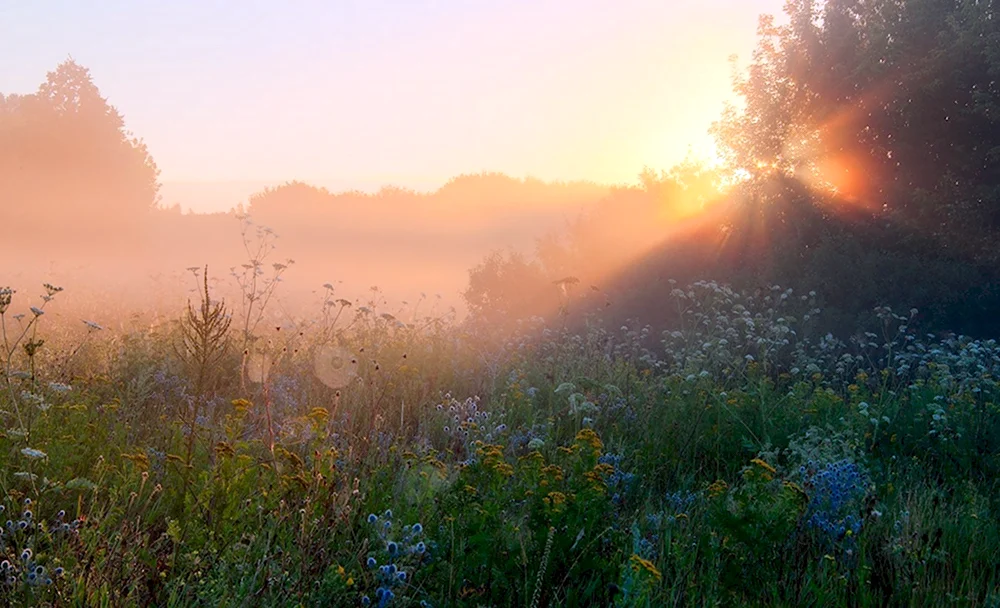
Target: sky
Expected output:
[357,93]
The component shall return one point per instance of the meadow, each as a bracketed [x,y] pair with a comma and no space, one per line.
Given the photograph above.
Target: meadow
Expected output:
[363,457]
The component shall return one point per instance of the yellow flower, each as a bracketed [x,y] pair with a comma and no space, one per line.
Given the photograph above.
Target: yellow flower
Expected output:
[639,564]
[319,415]
[760,463]
[553,471]
[589,438]
[555,500]
[717,488]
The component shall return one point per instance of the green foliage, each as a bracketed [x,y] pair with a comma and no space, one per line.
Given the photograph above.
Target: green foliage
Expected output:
[594,471]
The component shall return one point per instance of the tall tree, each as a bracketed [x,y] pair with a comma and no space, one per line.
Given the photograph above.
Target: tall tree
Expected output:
[68,166]
[890,106]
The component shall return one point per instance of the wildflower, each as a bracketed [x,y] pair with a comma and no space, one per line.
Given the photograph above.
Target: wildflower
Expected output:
[59,387]
[37,311]
[421,547]
[6,294]
[372,562]
[365,600]
[92,326]
[372,518]
[760,463]
[33,454]
[417,528]
[392,547]
[25,555]
[641,564]
[717,488]
[590,438]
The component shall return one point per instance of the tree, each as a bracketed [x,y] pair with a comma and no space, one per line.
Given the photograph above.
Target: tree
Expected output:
[68,166]
[890,106]
[505,288]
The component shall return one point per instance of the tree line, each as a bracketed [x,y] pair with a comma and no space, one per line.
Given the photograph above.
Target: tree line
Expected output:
[861,162]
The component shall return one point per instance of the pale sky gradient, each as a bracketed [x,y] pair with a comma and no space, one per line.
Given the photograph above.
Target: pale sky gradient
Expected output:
[408,92]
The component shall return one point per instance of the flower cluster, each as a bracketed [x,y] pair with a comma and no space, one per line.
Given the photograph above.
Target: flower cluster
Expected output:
[836,491]
[399,554]
[20,564]
[465,422]
[619,482]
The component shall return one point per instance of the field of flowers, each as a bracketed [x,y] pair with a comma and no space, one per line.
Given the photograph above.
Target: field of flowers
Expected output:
[371,459]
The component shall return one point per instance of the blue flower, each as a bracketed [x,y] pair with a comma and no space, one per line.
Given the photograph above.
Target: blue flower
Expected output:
[417,528]
[372,518]
[835,494]
[372,562]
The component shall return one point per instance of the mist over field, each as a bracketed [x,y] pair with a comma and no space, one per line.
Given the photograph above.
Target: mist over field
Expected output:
[467,304]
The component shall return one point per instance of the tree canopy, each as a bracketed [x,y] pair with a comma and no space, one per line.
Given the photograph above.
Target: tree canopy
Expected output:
[66,158]
[889,106]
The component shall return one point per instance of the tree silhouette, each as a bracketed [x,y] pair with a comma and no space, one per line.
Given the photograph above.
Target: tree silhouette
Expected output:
[68,166]
[888,106]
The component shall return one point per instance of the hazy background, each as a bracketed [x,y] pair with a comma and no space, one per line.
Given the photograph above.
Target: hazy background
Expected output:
[507,157]
[354,96]
[359,94]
